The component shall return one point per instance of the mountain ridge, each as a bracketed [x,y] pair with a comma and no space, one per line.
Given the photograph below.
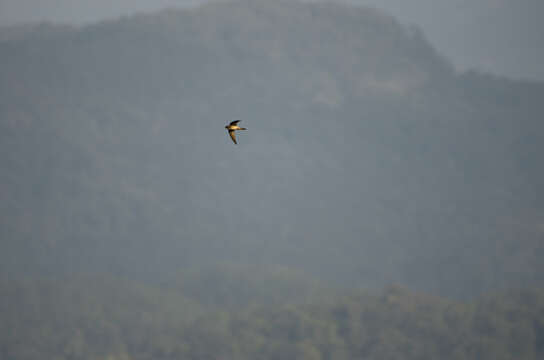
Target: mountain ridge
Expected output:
[369,160]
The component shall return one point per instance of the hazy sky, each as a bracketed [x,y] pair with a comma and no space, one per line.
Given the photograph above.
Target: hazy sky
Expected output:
[502,36]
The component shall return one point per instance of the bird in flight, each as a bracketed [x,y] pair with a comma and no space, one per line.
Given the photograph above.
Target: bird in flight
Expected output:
[232,127]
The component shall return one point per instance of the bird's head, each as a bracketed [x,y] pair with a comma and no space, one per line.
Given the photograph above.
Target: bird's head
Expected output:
[226,126]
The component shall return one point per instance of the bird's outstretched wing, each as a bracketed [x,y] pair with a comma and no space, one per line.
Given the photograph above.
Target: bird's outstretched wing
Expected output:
[234,122]
[232,136]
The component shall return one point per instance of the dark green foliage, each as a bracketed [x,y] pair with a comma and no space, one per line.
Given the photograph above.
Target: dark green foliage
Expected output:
[87,317]
[98,318]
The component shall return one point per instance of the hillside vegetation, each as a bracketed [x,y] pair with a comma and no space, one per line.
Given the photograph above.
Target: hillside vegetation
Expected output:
[94,318]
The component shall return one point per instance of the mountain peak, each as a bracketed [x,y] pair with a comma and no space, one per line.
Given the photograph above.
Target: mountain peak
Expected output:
[367,158]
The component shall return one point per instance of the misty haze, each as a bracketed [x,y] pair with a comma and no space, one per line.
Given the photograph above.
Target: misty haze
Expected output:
[380,205]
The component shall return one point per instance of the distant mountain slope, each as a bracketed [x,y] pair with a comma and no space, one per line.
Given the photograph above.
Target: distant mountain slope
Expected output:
[367,159]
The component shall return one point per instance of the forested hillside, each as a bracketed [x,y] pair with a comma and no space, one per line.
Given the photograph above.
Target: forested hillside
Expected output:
[368,159]
[97,318]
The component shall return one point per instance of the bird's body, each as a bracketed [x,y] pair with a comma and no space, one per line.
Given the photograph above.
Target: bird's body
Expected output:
[232,127]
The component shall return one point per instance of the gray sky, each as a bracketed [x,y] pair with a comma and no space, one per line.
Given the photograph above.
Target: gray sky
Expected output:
[501,36]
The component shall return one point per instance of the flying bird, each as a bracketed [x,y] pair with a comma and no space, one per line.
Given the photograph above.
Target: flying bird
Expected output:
[232,127]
